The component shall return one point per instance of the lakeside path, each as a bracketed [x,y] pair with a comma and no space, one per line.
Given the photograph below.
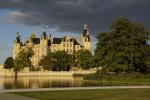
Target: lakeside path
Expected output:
[73,88]
[7,94]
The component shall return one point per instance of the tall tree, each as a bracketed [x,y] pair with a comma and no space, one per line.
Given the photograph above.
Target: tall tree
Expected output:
[84,58]
[48,61]
[9,63]
[63,61]
[57,61]
[23,60]
[124,48]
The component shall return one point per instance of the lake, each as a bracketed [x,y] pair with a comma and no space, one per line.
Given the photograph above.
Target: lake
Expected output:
[50,82]
[44,82]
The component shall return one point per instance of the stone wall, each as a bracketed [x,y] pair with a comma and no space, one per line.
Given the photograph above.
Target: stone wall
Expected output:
[7,73]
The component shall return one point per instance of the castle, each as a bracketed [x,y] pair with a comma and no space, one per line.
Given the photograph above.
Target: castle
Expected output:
[42,45]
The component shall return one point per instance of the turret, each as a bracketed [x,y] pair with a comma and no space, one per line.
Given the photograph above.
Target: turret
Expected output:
[17,40]
[44,39]
[44,44]
[17,45]
[44,36]
[85,30]
[33,35]
[86,40]
[51,38]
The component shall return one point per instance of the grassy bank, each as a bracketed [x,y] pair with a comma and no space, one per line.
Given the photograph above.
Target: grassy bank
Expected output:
[123,78]
[116,94]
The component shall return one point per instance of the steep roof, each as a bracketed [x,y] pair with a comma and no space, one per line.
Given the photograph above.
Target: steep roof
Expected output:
[36,40]
[56,40]
[87,38]
[76,42]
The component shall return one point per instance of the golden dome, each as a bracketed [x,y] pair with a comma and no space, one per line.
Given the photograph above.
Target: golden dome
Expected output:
[33,35]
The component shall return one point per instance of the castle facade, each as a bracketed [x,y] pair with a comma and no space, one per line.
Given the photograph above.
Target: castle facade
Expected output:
[44,44]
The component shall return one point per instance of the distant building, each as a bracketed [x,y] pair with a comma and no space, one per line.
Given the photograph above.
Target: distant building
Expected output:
[42,45]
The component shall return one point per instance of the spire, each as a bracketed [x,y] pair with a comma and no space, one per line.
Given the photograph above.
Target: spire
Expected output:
[17,35]
[86,30]
[44,28]
[85,26]
[17,40]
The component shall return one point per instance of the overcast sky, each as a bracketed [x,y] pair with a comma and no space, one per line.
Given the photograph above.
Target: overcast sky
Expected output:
[64,17]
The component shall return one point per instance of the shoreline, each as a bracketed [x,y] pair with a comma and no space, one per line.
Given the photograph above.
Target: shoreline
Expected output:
[47,73]
[74,88]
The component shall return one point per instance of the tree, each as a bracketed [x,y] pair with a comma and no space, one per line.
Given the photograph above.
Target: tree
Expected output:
[9,63]
[23,60]
[57,61]
[48,61]
[63,61]
[124,48]
[84,58]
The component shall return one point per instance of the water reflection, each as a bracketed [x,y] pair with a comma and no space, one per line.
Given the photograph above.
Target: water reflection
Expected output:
[39,82]
[49,82]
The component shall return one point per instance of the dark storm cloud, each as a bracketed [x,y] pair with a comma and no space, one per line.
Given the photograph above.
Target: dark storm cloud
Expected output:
[69,15]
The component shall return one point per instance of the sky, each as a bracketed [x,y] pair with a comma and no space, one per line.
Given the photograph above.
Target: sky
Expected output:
[64,17]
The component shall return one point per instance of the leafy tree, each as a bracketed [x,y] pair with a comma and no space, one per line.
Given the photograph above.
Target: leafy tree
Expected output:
[63,61]
[48,61]
[23,60]
[57,61]
[124,48]
[9,63]
[84,58]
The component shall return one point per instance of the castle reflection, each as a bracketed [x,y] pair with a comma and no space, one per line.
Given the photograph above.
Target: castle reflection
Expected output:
[39,82]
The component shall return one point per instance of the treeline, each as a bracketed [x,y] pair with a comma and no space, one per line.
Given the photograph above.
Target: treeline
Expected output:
[54,61]
[62,61]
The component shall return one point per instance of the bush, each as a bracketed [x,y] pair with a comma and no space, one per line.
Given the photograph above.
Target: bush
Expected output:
[117,77]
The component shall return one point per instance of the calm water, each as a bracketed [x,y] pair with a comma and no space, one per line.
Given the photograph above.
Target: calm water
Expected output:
[43,82]
[49,82]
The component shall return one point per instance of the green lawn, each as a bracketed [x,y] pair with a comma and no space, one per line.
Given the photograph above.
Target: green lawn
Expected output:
[101,94]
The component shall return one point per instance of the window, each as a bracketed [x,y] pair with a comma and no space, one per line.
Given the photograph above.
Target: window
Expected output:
[64,44]
[67,44]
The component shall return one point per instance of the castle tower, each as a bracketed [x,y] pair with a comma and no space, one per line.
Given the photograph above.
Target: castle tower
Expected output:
[16,45]
[44,44]
[31,39]
[86,40]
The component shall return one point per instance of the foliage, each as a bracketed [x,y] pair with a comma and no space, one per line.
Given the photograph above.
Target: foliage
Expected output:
[47,62]
[23,59]
[120,78]
[114,76]
[9,63]
[124,48]
[57,61]
[84,58]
